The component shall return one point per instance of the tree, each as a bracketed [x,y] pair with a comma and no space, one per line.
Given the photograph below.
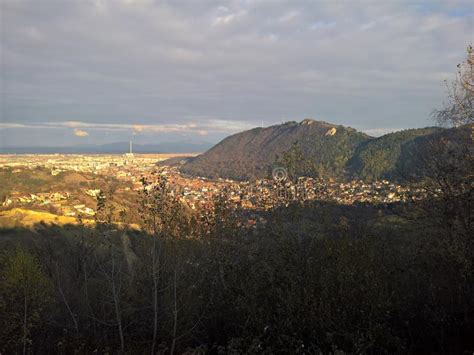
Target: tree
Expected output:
[459,109]
[449,159]
[162,213]
[24,297]
[448,165]
[297,164]
[105,210]
[166,219]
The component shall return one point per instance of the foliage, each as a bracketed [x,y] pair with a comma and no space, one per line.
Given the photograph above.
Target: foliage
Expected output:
[318,277]
[251,154]
[23,300]
[307,150]
[389,156]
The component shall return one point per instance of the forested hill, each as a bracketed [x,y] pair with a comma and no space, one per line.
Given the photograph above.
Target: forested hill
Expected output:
[328,150]
[390,156]
[406,154]
[253,153]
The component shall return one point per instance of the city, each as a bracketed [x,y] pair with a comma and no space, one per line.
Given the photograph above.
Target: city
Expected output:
[195,192]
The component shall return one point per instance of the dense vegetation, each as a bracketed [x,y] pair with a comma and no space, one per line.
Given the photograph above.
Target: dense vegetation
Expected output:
[390,156]
[252,154]
[346,154]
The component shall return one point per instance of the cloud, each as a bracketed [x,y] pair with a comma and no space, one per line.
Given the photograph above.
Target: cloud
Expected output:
[157,67]
[322,25]
[226,16]
[5,125]
[71,124]
[289,16]
[80,133]
[200,127]
[138,128]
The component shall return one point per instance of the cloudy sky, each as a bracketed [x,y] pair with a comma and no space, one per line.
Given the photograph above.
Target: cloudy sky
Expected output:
[99,71]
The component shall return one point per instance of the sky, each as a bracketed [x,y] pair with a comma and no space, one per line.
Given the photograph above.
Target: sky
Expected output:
[101,71]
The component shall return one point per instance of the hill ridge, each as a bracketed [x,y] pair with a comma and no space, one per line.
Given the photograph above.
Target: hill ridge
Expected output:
[329,150]
[251,153]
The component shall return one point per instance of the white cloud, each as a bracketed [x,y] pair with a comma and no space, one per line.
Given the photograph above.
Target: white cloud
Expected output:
[289,16]
[200,127]
[4,125]
[80,133]
[220,20]
[228,18]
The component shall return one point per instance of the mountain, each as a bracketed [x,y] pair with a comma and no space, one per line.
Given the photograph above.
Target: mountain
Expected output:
[252,154]
[113,148]
[320,149]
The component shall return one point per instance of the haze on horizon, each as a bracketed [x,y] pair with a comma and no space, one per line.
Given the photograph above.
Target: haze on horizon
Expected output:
[101,71]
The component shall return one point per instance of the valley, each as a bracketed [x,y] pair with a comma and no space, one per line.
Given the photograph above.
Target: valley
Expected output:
[71,185]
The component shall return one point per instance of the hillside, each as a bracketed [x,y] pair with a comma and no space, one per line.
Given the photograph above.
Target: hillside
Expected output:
[320,149]
[389,156]
[19,217]
[404,154]
[251,154]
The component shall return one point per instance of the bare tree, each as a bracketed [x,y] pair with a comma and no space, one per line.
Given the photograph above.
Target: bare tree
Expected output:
[447,163]
[113,273]
[459,109]
[65,301]
[155,274]
[175,313]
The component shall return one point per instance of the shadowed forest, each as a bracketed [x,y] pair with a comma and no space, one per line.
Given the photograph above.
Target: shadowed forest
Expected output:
[319,278]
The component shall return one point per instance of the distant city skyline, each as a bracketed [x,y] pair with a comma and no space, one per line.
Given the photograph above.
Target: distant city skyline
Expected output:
[102,71]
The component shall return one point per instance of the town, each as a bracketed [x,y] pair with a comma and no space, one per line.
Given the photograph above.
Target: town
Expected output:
[129,170]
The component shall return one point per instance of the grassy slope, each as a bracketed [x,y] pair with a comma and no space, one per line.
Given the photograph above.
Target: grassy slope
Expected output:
[19,217]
